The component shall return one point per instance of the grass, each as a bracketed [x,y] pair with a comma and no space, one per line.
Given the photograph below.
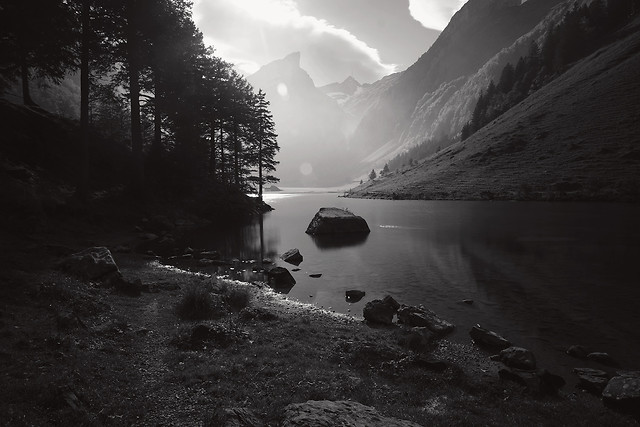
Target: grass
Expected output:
[125,368]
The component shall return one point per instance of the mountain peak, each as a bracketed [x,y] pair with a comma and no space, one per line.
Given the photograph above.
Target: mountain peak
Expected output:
[350,81]
[293,59]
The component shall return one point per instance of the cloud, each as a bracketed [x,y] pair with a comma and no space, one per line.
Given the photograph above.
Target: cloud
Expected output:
[252,32]
[434,14]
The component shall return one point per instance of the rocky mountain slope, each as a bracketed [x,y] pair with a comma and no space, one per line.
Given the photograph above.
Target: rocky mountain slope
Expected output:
[435,96]
[576,138]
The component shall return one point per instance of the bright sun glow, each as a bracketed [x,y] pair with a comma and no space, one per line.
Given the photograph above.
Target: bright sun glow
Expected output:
[282,89]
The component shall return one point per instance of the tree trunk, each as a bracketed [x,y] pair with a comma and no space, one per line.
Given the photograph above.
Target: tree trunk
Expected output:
[134,87]
[83,183]
[223,177]
[260,168]
[236,156]
[212,153]
[26,95]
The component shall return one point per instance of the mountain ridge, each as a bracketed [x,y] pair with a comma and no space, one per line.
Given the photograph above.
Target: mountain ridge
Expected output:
[573,139]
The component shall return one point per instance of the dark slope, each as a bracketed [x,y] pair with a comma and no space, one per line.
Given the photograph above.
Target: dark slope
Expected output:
[578,138]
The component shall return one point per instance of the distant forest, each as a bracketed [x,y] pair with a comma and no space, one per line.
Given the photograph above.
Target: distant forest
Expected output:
[188,120]
[582,31]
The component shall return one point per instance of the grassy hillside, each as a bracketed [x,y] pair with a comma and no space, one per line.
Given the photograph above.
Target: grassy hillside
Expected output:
[575,139]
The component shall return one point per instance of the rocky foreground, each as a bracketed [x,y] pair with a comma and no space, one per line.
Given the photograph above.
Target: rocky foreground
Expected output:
[126,340]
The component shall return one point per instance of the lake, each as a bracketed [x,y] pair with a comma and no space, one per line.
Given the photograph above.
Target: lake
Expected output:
[544,275]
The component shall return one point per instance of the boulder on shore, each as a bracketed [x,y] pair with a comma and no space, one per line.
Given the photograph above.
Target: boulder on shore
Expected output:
[623,393]
[336,221]
[592,380]
[292,256]
[91,263]
[340,413]
[378,311]
[518,357]
[415,316]
[488,338]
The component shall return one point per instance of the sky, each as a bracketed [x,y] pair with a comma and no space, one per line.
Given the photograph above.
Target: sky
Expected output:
[366,39]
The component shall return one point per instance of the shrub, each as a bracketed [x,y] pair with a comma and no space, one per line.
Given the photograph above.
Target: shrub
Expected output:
[237,298]
[197,304]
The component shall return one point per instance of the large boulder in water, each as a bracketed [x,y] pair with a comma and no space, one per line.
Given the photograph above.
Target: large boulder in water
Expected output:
[336,221]
[292,256]
[281,279]
[342,413]
[518,357]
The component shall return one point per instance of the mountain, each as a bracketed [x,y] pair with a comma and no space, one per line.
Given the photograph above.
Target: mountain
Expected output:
[575,138]
[311,126]
[434,96]
[341,92]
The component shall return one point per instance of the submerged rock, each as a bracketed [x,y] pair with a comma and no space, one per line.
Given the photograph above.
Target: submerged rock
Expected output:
[488,338]
[577,351]
[292,256]
[602,358]
[336,221]
[341,413]
[354,295]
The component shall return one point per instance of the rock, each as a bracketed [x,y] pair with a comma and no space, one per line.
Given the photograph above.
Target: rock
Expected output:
[188,251]
[336,221]
[234,417]
[92,263]
[415,316]
[623,393]
[592,380]
[280,277]
[354,295]
[518,357]
[391,302]
[416,338]
[292,256]
[316,275]
[577,351]
[341,413]
[377,311]
[211,255]
[295,269]
[602,358]
[467,301]
[488,338]
[540,383]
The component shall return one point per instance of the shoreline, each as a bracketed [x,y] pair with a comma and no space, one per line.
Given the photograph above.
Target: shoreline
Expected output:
[79,351]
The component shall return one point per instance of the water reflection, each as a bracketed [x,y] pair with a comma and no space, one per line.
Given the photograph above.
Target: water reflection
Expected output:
[334,241]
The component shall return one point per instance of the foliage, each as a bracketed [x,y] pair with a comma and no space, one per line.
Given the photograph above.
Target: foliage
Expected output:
[372,175]
[196,304]
[582,30]
[152,85]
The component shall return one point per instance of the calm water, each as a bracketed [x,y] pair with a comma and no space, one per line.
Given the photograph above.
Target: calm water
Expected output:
[544,275]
